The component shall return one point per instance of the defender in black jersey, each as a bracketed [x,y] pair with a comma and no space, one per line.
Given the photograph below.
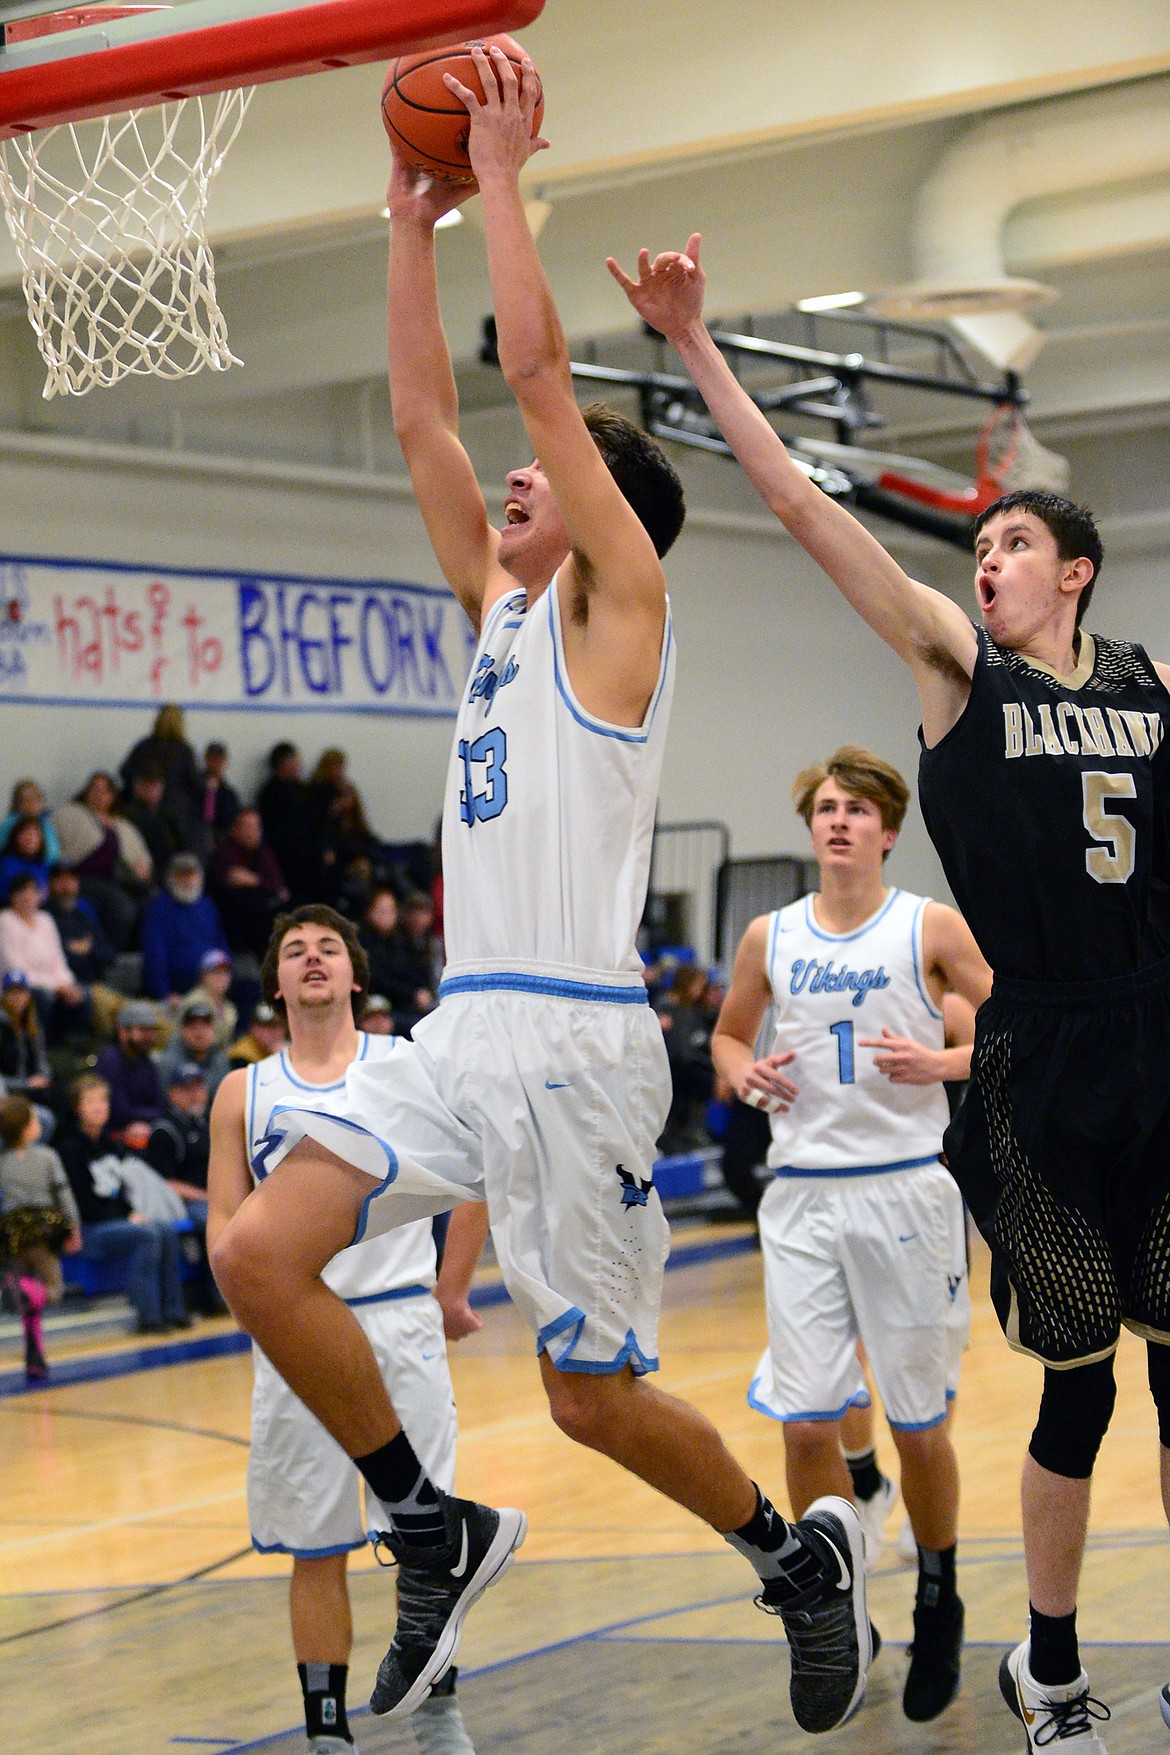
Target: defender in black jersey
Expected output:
[1045,788]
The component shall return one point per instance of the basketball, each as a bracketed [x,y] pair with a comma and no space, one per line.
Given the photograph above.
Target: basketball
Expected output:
[427,121]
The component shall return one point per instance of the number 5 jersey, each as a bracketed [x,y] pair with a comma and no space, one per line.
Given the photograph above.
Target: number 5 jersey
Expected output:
[1048,803]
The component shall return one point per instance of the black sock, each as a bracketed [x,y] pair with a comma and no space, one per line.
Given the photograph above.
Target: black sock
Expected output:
[936,1577]
[775,1549]
[1053,1654]
[398,1479]
[323,1686]
[864,1472]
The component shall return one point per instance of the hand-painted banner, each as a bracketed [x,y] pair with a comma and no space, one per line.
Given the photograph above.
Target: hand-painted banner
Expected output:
[106,635]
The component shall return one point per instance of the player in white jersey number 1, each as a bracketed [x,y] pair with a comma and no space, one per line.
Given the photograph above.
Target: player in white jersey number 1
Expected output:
[304,1494]
[541,1080]
[862,1229]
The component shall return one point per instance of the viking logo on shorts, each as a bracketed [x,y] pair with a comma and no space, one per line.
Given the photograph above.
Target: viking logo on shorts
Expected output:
[635,1193]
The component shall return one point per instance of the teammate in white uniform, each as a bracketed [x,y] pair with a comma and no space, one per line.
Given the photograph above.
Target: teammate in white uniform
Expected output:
[304,1494]
[862,1229]
[541,1081]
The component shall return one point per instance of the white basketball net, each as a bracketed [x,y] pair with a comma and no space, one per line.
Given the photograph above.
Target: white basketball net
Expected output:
[108,218]
[1015,458]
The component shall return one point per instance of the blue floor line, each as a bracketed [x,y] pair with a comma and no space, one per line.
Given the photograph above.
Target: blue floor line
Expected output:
[126,1363]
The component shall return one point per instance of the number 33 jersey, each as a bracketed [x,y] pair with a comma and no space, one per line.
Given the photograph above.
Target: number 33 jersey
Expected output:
[548,814]
[832,991]
[1049,806]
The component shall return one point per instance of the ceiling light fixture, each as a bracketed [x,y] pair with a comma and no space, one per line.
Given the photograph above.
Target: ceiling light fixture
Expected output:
[831,301]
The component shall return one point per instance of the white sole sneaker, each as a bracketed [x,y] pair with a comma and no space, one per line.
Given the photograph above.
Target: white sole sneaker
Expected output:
[873,1513]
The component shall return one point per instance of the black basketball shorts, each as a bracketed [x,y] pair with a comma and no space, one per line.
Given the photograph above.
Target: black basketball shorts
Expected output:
[1062,1150]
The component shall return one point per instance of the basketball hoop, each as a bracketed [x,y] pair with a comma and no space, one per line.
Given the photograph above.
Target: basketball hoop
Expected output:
[108,214]
[1010,456]
[109,221]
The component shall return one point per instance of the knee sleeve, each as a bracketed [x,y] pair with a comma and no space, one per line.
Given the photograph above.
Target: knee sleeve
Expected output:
[1158,1366]
[1075,1411]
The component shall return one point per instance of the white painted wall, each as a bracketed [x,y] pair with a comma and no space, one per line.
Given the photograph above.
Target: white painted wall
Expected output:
[774,671]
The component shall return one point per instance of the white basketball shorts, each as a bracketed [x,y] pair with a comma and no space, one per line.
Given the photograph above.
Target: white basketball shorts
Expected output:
[546,1099]
[877,1257]
[304,1493]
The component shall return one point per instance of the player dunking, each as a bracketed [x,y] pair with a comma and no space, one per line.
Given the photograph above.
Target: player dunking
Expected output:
[862,1229]
[304,1495]
[1044,786]
[541,1080]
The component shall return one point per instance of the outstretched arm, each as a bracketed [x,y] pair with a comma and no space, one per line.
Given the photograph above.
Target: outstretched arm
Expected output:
[925,628]
[422,391]
[613,632]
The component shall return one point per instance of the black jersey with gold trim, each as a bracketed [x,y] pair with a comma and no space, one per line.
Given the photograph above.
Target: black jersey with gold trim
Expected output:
[1049,806]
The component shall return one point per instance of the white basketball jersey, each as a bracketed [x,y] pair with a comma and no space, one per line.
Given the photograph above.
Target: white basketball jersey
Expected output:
[548,814]
[831,990]
[393,1265]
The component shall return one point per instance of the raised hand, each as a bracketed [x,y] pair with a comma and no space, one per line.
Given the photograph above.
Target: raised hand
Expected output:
[501,137]
[417,195]
[668,293]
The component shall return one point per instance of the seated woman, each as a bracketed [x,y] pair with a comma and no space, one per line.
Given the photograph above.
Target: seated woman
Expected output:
[25,854]
[24,1064]
[29,801]
[111,1230]
[30,943]
[107,853]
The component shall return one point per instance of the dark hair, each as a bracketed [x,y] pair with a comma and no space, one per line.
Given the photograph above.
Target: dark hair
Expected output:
[643,472]
[315,914]
[279,753]
[22,881]
[1072,528]
[18,789]
[18,826]
[15,1115]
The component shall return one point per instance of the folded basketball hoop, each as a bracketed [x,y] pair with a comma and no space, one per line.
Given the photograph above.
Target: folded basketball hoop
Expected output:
[113,122]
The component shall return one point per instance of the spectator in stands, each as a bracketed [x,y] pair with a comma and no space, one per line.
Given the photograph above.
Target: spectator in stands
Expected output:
[134,1089]
[393,972]
[179,1149]
[25,855]
[248,885]
[687,1026]
[108,855]
[167,750]
[215,978]
[378,1018]
[180,926]
[142,804]
[281,803]
[30,943]
[110,1228]
[24,1064]
[39,1220]
[194,1043]
[29,801]
[40,1216]
[265,1035]
[416,918]
[219,803]
[88,951]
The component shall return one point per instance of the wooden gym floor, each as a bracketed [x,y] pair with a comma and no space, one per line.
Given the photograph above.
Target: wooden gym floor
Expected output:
[134,1618]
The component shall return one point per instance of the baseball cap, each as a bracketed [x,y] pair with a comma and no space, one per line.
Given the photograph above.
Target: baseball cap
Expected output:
[137,1014]
[197,1008]
[264,1014]
[186,1073]
[215,960]
[13,978]
[377,1002]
